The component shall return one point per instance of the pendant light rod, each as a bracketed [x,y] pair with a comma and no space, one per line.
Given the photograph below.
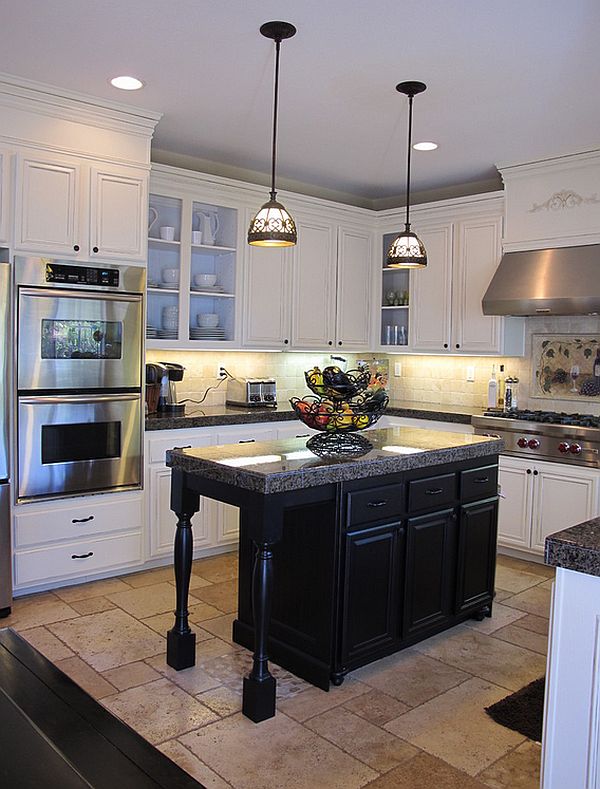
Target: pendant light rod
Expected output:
[276,31]
[410,89]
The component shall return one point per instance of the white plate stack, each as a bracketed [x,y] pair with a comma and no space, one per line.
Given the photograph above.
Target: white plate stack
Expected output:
[216,333]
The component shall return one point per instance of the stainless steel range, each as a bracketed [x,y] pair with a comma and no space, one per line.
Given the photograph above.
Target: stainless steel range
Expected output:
[547,435]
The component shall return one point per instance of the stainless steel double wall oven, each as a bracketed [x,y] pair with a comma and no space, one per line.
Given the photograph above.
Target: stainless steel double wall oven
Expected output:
[79,331]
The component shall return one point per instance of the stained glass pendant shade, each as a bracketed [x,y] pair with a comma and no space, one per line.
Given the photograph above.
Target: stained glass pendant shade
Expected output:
[273,225]
[407,250]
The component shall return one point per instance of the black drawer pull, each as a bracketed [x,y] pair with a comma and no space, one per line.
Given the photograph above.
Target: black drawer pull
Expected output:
[247,441]
[434,491]
[83,520]
[82,555]
[381,503]
[481,480]
[187,446]
[303,435]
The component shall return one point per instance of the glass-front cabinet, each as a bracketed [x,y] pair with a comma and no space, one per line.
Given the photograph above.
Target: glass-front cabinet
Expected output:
[192,272]
[394,323]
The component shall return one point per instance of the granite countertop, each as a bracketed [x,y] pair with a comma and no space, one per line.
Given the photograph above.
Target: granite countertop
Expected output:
[576,548]
[212,416]
[287,464]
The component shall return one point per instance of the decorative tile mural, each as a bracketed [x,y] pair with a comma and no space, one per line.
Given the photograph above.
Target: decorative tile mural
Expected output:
[566,366]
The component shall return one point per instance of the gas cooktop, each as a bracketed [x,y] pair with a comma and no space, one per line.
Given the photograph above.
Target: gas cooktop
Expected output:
[548,417]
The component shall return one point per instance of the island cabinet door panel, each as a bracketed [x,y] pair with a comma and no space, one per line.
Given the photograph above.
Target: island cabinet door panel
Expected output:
[476,555]
[371,607]
[313,289]
[430,564]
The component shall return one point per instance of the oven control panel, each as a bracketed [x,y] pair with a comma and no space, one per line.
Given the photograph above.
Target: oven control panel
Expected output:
[82,275]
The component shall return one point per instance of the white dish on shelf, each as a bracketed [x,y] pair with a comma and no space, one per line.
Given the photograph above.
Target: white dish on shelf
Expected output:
[206,289]
[167,285]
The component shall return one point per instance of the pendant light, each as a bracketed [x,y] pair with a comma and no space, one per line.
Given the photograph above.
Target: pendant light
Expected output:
[273,225]
[407,250]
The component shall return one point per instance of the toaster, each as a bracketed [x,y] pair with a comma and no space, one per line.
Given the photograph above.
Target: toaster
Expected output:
[251,392]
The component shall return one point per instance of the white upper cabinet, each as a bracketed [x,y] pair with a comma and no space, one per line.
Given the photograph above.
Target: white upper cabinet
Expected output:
[65,207]
[5,202]
[354,278]
[314,283]
[266,317]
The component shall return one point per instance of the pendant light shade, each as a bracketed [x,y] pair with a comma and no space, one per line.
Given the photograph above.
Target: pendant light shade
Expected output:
[273,225]
[407,250]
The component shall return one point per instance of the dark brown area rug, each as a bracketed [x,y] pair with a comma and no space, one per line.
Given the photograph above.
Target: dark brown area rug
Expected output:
[522,711]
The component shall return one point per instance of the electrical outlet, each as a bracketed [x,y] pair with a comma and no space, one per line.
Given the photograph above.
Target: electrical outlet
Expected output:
[470,373]
[221,371]
[398,369]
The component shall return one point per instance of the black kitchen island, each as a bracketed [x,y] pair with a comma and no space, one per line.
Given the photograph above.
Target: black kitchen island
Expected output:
[342,560]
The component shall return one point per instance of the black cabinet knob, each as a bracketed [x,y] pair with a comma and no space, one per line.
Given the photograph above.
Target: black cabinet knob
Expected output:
[535,473]
[529,471]
[285,342]
[330,342]
[76,247]
[458,345]
[339,342]
[445,345]
[94,249]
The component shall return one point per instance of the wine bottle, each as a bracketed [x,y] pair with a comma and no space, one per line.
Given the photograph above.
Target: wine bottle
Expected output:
[597,365]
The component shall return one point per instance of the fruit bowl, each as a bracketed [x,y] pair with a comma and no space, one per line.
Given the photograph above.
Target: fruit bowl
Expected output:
[335,384]
[339,416]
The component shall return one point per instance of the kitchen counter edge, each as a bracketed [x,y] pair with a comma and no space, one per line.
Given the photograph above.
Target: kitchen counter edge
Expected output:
[576,548]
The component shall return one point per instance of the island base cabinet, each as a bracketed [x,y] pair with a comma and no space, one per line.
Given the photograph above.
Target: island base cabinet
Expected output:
[430,560]
[370,618]
[476,561]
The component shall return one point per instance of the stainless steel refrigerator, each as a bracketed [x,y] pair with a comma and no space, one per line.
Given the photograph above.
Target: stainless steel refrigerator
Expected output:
[5,526]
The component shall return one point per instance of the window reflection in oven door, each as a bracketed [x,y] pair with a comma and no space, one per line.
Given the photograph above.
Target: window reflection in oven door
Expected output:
[78,444]
[78,340]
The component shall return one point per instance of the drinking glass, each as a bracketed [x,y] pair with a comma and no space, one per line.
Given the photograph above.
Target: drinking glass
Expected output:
[574,376]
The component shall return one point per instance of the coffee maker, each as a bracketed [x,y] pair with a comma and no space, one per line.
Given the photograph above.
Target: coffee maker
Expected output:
[171,374]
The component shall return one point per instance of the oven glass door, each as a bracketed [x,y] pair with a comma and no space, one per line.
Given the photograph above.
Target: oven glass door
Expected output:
[78,444]
[78,340]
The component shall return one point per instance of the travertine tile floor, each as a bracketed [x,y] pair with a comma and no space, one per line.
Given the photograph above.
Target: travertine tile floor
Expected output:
[414,719]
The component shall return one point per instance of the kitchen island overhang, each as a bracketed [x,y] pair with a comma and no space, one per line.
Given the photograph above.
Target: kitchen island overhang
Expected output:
[271,483]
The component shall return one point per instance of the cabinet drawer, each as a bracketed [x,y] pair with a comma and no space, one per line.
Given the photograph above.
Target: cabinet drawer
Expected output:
[479,483]
[374,504]
[431,493]
[94,555]
[157,447]
[88,518]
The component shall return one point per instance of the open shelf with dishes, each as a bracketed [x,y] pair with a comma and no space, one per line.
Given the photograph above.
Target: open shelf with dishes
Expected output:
[395,282]
[194,269]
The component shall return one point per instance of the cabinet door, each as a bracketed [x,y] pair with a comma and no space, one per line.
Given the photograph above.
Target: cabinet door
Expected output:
[118,211]
[47,206]
[430,570]
[313,290]
[267,298]
[477,254]
[564,496]
[514,509]
[354,277]
[4,196]
[228,520]
[430,292]
[371,591]
[476,555]
[164,521]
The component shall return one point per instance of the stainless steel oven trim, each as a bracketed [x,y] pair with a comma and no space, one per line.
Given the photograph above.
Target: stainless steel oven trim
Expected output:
[66,479]
[32,271]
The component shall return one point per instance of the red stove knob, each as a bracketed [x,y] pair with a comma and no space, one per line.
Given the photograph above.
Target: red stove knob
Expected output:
[533,443]
[564,447]
[522,442]
[575,449]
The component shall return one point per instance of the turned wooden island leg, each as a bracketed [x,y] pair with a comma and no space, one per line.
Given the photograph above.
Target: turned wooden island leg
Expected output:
[258,702]
[181,641]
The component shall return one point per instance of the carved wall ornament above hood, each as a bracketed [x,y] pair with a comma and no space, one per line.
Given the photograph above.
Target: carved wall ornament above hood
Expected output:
[566,198]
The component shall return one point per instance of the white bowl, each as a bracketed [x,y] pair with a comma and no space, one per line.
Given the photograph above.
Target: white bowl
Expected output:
[205,280]
[207,320]
[170,275]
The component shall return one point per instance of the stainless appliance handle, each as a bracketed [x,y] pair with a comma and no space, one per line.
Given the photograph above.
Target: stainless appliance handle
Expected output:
[64,399]
[55,293]
[4,372]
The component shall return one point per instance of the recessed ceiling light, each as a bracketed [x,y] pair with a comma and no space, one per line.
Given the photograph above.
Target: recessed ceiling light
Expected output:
[127,83]
[425,146]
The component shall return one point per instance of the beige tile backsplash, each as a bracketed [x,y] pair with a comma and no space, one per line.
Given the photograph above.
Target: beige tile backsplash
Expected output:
[427,379]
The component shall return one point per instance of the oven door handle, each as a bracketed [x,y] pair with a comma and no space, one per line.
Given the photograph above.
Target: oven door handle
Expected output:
[82,399]
[56,293]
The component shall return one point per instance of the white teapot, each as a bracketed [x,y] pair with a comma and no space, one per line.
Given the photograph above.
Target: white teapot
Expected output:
[209,225]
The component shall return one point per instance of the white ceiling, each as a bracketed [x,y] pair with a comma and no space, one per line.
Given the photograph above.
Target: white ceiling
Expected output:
[508,80]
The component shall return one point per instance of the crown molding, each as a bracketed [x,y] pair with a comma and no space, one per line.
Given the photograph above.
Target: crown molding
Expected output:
[43,99]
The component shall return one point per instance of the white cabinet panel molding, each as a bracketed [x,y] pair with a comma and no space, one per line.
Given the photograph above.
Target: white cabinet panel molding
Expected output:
[118,209]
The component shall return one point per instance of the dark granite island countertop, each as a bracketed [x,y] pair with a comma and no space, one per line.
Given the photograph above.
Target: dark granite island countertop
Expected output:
[286,464]
[576,548]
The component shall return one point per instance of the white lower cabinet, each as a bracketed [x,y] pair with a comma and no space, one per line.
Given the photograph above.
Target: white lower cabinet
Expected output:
[76,538]
[539,498]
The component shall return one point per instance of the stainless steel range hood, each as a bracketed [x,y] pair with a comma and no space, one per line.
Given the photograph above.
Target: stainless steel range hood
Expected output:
[563,281]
